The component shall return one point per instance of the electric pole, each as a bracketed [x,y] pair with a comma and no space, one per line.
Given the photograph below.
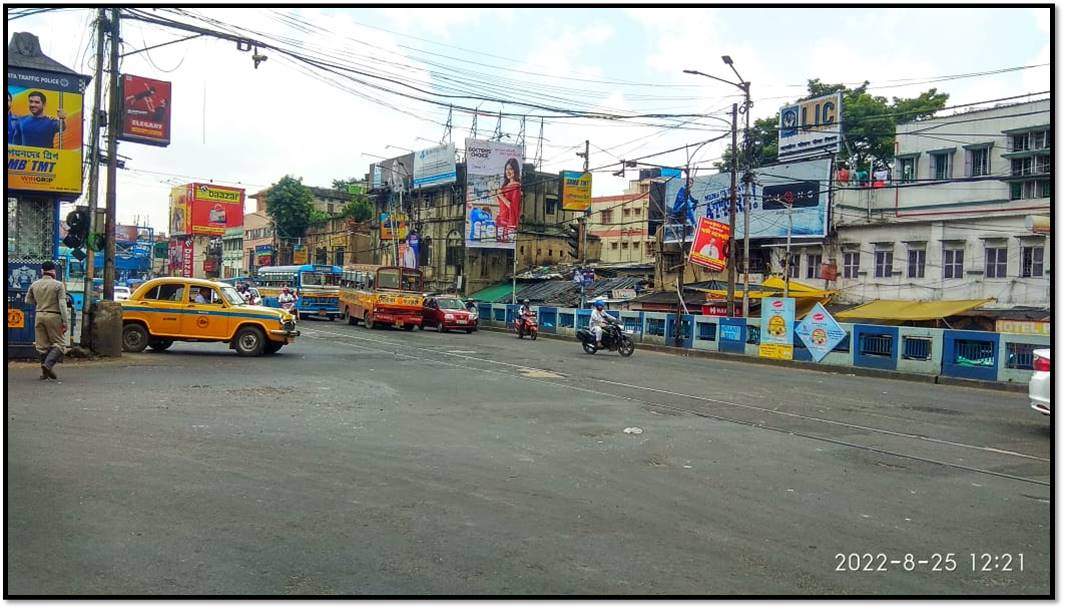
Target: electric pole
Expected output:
[94,171]
[112,165]
[584,231]
[731,306]
[748,177]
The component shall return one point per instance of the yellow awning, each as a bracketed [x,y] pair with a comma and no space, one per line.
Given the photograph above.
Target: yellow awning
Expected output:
[910,310]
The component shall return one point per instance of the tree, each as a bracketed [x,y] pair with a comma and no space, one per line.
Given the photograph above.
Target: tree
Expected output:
[359,210]
[869,123]
[342,184]
[289,205]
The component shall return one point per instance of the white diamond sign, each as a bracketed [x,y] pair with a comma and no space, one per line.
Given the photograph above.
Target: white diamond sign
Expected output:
[820,332]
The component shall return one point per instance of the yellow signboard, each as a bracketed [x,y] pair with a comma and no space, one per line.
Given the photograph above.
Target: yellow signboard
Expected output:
[16,318]
[338,241]
[776,351]
[299,256]
[44,131]
[1013,326]
[576,190]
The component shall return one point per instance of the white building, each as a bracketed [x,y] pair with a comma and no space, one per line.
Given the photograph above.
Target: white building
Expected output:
[951,224]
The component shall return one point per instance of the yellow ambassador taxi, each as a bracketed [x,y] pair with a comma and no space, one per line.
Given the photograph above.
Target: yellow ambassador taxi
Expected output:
[169,309]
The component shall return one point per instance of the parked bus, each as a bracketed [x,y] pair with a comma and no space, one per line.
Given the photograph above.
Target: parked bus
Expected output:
[317,287]
[381,295]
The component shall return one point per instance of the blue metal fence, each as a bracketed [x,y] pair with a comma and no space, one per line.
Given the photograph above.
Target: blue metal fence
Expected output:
[916,347]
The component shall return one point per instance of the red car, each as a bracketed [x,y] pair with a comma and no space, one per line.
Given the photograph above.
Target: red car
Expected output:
[448,313]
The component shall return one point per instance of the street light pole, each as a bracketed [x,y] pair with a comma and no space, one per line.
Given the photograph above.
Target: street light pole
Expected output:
[748,177]
[731,306]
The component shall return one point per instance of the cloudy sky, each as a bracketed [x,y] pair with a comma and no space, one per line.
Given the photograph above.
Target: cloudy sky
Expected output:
[237,125]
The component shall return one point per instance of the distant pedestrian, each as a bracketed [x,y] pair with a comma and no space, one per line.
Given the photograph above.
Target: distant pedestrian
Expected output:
[50,298]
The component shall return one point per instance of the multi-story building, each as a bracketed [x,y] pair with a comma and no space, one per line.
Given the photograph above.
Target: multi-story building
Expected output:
[259,243]
[233,252]
[955,222]
[621,223]
[338,241]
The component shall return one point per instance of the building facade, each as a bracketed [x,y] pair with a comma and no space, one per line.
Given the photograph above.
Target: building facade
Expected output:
[233,252]
[621,223]
[258,243]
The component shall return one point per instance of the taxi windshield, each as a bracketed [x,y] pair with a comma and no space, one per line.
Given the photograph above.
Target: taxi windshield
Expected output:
[232,296]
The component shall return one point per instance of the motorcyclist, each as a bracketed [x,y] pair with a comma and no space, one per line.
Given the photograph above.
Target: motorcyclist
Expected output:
[524,311]
[286,297]
[599,320]
[245,292]
[471,306]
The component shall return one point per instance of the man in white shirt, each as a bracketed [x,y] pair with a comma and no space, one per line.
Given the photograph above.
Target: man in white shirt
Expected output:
[599,321]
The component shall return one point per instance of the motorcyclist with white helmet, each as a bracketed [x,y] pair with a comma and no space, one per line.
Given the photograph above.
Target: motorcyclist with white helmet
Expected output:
[599,320]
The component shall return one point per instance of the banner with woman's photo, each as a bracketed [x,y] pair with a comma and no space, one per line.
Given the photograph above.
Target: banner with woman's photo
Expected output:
[493,193]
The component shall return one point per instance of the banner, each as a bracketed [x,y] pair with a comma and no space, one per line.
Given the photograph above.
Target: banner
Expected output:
[408,252]
[710,248]
[576,190]
[179,211]
[778,324]
[434,166]
[264,255]
[803,186]
[299,254]
[394,226]
[811,128]
[493,193]
[44,131]
[820,332]
[181,257]
[395,174]
[145,110]
[215,208]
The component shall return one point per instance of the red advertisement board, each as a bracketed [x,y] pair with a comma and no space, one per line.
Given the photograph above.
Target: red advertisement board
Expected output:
[181,257]
[145,110]
[215,208]
[710,246]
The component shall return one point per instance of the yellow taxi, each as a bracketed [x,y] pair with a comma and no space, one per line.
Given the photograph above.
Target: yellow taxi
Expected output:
[168,309]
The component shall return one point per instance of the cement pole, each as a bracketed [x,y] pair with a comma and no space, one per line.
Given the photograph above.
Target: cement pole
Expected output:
[112,163]
[731,306]
[94,172]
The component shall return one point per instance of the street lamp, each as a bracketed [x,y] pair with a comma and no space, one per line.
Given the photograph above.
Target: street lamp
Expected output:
[744,86]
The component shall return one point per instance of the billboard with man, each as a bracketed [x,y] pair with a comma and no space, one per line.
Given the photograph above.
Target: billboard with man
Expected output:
[145,110]
[493,193]
[44,131]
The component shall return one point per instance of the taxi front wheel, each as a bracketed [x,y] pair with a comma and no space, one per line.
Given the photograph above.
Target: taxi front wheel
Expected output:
[249,341]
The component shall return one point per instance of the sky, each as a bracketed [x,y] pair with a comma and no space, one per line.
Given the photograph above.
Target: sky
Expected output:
[238,125]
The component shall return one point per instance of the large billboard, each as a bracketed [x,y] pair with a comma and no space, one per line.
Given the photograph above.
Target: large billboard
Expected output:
[145,110]
[434,166]
[802,185]
[179,211]
[215,208]
[394,225]
[576,190]
[493,193]
[394,174]
[811,128]
[44,131]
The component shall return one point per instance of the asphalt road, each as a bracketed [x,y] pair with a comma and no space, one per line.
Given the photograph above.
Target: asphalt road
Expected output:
[387,462]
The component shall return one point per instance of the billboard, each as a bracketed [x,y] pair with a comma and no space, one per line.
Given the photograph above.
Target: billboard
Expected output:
[299,254]
[264,255]
[393,225]
[820,332]
[145,112]
[44,131]
[214,208]
[181,250]
[434,166]
[179,211]
[710,247]
[802,185]
[493,193]
[811,128]
[576,190]
[778,324]
[394,174]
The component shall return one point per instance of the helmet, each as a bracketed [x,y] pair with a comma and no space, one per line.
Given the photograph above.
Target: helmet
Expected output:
[600,303]
[525,302]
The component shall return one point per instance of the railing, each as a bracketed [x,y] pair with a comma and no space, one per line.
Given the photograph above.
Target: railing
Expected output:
[876,344]
[916,347]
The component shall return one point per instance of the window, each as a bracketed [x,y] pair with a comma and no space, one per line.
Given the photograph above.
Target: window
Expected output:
[813,266]
[1031,189]
[650,248]
[952,262]
[1042,164]
[1019,142]
[1044,188]
[550,253]
[173,292]
[1021,167]
[883,262]
[338,257]
[1038,139]
[940,165]
[550,205]
[1032,261]
[330,207]
[850,265]
[979,161]
[915,263]
[793,266]
[626,212]
[625,245]
[638,211]
[908,169]
[613,245]
[606,216]
[996,262]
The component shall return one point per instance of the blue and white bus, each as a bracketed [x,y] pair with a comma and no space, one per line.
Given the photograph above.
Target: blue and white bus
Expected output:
[317,287]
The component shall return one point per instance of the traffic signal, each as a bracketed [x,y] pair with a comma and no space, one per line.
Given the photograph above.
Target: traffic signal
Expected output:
[77,231]
[573,240]
[97,242]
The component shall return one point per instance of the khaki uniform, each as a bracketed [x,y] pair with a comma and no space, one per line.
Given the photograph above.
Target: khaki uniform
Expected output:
[50,297]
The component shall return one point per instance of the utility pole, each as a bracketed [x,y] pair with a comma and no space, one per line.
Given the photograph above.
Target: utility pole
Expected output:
[584,231]
[731,307]
[112,164]
[787,254]
[748,177]
[94,171]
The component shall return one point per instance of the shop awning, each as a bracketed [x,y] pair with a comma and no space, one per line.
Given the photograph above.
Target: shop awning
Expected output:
[910,310]
[492,294]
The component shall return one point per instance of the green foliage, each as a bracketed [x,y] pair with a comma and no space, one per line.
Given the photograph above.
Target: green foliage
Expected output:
[289,205]
[358,210]
[869,123]
[318,216]
[342,184]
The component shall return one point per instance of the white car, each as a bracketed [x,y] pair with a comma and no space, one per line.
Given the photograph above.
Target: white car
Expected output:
[1039,386]
[121,293]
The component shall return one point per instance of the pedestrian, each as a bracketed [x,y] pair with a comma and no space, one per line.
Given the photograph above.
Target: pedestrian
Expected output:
[50,298]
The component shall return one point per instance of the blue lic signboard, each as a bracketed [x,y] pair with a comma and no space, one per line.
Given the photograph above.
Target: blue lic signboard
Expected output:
[820,332]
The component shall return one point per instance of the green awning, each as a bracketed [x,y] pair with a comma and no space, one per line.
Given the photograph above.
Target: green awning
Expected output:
[491,294]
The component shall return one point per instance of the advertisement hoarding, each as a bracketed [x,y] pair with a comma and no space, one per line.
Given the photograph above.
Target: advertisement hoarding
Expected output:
[394,174]
[710,248]
[179,211]
[820,332]
[393,225]
[264,255]
[299,254]
[181,251]
[434,166]
[215,208]
[408,251]
[576,190]
[778,324]
[44,131]
[803,185]
[145,110]
[810,128]
[493,193]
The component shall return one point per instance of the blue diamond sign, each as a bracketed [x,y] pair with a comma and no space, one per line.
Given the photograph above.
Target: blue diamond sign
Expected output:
[820,332]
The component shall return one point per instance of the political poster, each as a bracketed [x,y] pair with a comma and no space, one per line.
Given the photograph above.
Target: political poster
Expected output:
[215,208]
[44,131]
[145,112]
[710,249]
[434,166]
[493,193]
[778,324]
[576,190]
[820,332]
[800,187]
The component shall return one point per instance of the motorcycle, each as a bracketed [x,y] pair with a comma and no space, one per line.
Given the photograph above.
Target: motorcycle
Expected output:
[526,325]
[290,307]
[615,338]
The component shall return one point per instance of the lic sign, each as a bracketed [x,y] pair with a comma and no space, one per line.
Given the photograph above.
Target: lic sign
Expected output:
[811,128]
